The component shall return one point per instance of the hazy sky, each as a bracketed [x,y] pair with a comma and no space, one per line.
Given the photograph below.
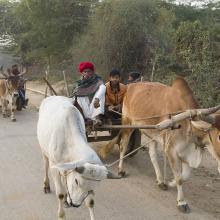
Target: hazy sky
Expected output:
[196,3]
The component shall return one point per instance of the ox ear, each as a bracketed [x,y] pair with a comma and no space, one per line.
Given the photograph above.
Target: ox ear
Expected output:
[62,167]
[92,171]
[95,172]
[201,125]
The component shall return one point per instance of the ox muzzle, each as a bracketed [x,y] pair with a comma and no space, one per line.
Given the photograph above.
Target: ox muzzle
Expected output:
[71,204]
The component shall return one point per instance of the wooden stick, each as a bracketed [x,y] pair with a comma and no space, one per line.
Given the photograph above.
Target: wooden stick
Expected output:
[49,85]
[128,127]
[37,91]
[66,84]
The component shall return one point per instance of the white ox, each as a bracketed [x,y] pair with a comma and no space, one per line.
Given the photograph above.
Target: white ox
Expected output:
[75,167]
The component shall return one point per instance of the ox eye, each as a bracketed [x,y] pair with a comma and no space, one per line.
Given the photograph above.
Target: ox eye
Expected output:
[76,181]
[219,137]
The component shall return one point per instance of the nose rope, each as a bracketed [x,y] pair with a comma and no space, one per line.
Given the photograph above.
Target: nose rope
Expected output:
[67,189]
[68,193]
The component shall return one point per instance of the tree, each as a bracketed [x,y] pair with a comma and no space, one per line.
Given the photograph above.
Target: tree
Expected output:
[46,29]
[194,49]
[126,34]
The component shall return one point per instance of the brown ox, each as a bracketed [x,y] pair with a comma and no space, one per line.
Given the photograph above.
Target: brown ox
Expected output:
[8,94]
[145,100]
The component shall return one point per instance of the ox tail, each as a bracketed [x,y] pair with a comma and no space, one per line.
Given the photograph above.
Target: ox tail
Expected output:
[109,147]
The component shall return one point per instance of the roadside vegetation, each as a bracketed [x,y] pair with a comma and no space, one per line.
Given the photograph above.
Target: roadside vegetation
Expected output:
[158,38]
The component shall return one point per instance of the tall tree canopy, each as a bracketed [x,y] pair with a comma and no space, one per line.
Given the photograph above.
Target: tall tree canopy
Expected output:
[158,38]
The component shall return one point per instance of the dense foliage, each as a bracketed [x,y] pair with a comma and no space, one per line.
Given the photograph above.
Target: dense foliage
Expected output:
[158,38]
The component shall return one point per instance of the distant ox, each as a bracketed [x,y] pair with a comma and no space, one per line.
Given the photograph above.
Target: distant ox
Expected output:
[9,85]
[150,103]
[75,167]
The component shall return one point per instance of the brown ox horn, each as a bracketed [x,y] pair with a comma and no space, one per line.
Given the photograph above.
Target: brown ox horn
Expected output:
[23,71]
[208,110]
[2,72]
[208,118]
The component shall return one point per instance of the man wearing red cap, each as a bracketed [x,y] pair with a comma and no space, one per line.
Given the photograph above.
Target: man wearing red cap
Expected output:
[90,93]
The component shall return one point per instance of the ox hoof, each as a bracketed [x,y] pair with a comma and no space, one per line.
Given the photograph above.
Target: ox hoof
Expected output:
[184,208]
[13,119]
[66,204]
[163,186]
[122,174]
[46,189]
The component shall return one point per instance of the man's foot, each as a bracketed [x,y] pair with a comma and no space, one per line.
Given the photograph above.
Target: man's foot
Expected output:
[88,122]
[97,121]
[26,102]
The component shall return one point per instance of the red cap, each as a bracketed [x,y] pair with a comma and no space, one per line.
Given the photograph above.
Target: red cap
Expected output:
[86,65]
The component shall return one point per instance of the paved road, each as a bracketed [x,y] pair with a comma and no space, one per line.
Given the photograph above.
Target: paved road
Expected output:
[134,198]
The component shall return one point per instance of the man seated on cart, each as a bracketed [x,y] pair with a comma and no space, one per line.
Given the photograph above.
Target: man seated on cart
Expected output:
[115,92]
[89,94]
[134,77]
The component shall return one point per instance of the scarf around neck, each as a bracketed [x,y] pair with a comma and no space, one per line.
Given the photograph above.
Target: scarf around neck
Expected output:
[88,87]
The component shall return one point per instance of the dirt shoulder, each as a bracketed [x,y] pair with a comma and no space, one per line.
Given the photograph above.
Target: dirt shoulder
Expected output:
[36,91]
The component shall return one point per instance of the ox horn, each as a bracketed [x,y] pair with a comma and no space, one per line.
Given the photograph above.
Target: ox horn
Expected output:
[2,72]
[208,111]
[209,119]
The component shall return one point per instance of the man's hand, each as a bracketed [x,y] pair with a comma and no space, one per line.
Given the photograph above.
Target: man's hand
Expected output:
[96,103]
[110,108]
[115,108]
[118,108]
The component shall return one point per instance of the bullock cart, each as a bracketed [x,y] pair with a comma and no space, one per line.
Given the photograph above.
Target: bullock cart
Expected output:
[183,134]
[111,127]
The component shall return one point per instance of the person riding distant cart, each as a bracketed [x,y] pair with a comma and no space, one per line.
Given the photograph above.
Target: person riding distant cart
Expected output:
[14,72]
[89,94]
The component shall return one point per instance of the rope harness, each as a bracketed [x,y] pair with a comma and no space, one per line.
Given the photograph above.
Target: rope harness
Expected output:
[67,188]
[142,146]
